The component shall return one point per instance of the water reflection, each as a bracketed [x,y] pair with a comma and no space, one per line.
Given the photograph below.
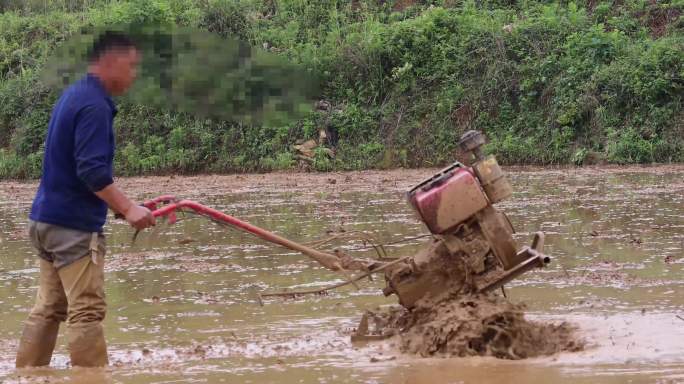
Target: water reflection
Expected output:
[182,299]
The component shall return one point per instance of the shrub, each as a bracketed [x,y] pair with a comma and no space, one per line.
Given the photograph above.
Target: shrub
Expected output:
[548,82]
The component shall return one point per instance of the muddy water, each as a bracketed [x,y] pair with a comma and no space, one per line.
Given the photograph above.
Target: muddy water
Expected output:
[182,299]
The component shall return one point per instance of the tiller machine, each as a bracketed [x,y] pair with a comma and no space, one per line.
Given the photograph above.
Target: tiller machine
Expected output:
[471,250]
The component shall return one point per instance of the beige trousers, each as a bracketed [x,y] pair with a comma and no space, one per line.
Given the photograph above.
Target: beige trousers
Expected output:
[73,293]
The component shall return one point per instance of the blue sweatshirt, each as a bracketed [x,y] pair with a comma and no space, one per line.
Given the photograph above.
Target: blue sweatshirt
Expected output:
[79,154]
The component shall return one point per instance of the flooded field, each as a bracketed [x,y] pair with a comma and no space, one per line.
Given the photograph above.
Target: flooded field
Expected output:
[182,299]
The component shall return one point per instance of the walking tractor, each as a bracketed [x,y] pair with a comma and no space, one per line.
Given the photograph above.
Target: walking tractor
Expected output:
[471,250]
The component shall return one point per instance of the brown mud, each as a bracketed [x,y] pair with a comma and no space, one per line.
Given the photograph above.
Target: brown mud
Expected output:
[473,325]
[183,310]
[200,186]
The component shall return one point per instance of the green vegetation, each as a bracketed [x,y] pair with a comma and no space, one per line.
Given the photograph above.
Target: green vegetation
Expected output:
[549,82]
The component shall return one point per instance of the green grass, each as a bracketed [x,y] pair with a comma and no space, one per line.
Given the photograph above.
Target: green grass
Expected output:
[548,82]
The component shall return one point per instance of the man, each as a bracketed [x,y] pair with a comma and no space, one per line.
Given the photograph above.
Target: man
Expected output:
[70,209]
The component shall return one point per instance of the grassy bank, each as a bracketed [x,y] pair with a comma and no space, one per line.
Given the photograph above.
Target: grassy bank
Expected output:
[549,82]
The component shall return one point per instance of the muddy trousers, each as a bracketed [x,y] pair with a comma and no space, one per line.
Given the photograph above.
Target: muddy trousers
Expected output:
[73,293]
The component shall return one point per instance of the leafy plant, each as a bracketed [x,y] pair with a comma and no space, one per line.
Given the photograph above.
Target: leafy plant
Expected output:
[549,82]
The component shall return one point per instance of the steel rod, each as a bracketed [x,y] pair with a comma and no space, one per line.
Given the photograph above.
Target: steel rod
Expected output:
[328,260]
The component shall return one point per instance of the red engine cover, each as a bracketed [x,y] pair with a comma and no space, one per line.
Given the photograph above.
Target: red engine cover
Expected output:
[448,199]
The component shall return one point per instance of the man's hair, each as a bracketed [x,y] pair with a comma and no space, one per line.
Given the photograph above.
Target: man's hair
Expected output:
[107,41]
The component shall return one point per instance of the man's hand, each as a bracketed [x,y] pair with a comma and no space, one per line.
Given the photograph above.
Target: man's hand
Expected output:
[139,217]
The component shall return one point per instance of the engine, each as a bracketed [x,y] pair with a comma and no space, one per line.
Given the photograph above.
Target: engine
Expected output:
[472,247]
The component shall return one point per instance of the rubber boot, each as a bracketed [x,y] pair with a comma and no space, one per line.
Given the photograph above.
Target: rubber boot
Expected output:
[87,346]
[37,343]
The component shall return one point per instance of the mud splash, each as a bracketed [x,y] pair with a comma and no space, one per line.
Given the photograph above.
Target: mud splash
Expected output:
[167,296]
[473,325]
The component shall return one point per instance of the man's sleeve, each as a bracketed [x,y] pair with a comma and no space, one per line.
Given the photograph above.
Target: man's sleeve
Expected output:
[92,147]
